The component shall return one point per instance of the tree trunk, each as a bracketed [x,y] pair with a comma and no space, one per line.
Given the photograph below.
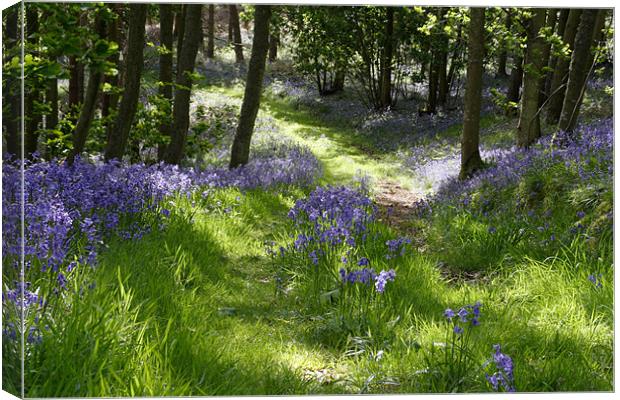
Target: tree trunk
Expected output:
[528,129]
[552,17]
[339,81]
[181,18]
[580,65]
[166,38]
[455,58]
[433,80]
[553,58]
[516,78]
[230,27]
[234,21]
[87,112]
[385,91]
[185,67]
[274,40]
[211,32]
[119,134]
[560,74]
[33,96]
[76,81]
[503,55]
[109,100]
[240,152]
[470,154]
[11,92]
[442,95]
[51,98]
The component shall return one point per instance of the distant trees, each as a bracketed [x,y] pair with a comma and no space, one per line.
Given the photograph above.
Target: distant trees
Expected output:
[470,154]
[384,53]
[240,151]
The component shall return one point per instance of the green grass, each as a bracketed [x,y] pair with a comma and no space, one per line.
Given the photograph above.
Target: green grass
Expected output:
[194,310]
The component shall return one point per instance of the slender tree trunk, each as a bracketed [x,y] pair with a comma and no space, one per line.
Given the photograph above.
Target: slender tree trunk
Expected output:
[470,154]
[516,79]
[51,98]
[560,74]
[503,55]
[580,64]
[234,21]
[433,80]
[528,129]
[11,92]
[240,152]
[165,65]
[211,32]
[33,96]
[274,41]
[339,80]
[385,91]
[442,95]
[87,111]
[109,100]
[455,58]
[185,67]
[119,134]
[552,17]
[76,80]
[230,27]
[553,59]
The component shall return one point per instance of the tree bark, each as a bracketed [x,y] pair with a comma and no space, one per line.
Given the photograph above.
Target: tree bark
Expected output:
[166,37]
[528,129]
[109,100]
[503,55]
[33,96]
[580,64]
[560,74]
[385,91]
[553,59]
[11,93]
[185,67]
[274,41]
[180,27]
[234,21]
[552,17]
[119,134]
[240,151]
[470,154]
[211,32]
[87,112]
[516,79]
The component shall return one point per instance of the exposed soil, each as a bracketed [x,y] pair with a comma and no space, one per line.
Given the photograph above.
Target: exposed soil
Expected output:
[396,205]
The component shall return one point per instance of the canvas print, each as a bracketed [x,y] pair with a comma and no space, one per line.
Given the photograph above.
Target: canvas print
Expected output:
[242,199]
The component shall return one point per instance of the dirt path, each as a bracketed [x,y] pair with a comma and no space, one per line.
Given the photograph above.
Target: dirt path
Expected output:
[396,205]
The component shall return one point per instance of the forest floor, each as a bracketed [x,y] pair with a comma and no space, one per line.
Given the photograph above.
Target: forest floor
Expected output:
[202,312]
